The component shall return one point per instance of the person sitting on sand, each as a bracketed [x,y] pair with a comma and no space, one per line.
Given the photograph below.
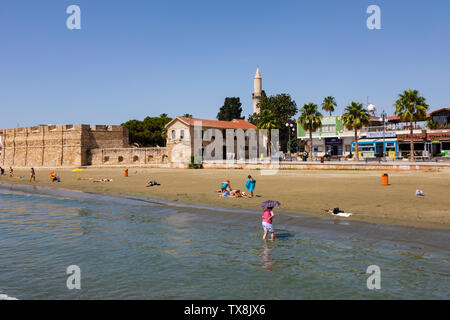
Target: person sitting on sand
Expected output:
[152,183]
[225,186]
[54,177]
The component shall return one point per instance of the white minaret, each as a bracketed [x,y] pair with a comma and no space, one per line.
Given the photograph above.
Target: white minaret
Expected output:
[257,90]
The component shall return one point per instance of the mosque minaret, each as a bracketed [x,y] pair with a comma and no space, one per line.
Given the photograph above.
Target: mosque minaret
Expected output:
[257,91]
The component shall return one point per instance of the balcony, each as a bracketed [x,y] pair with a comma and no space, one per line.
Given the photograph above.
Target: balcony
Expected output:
[394,127]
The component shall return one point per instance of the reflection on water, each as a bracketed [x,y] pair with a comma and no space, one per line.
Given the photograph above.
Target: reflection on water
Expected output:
[266,257]
[141,250]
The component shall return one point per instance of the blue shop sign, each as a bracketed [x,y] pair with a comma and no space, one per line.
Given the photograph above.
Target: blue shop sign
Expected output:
[333,141]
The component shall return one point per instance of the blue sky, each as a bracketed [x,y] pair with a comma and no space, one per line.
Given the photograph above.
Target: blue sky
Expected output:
[137,58]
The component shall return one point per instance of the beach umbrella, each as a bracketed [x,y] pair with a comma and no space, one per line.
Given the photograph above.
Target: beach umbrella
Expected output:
[269,204]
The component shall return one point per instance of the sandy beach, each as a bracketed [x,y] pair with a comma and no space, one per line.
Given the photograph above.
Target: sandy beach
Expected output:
[299,191]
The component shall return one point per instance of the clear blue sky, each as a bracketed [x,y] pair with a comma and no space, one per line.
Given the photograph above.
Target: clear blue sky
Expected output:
[137,58]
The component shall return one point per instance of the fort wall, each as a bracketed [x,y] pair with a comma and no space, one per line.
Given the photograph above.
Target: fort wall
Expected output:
[58,145]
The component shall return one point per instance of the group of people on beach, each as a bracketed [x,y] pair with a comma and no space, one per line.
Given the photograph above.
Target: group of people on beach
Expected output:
[226,190]
[11,172]
[268,214]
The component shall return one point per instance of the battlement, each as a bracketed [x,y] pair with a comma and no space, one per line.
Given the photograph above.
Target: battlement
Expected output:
[64,127]
[58,145]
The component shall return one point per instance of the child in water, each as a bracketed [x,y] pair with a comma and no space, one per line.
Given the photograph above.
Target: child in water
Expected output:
[267,223]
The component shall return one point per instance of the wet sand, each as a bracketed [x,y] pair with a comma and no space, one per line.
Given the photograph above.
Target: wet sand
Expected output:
[299,191]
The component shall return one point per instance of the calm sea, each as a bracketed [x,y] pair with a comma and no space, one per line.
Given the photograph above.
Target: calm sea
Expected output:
[134,249]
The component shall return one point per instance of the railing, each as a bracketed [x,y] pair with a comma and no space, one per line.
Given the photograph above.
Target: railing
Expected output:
[394,127]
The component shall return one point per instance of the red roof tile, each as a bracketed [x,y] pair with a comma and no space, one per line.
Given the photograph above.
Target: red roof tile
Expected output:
[233,124]
[439,110]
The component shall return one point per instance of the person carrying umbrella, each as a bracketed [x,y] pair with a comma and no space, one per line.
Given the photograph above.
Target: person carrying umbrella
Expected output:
[267,222]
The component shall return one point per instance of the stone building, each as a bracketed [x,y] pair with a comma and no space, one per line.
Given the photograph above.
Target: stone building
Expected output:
[180,137]
[74,145]
[59,145]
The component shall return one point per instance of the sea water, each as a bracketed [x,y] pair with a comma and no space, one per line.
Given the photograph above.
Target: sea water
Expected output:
[139,249]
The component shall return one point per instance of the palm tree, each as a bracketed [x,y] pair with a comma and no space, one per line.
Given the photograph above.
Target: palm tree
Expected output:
[267,120]
[310,119]
[187,115]
[411,107]
[328,104]
[355,117]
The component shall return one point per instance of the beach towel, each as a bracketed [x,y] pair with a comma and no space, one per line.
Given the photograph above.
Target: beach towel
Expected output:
[343,214]
[339,213]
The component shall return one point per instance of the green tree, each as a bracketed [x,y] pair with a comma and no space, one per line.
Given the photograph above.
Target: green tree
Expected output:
[282,107]
[231,109]
[310,119]
[354,118]
[266,119]
[150,132]
[411,107]
[328,104]
[187,115]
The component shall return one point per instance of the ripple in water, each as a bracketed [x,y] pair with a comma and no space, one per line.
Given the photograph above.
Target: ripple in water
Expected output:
[139,250]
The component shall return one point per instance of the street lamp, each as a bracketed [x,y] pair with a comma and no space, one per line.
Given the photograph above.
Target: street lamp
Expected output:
[383,117]
[289,126]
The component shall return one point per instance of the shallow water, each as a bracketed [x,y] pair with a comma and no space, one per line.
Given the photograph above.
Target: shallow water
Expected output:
[132,249]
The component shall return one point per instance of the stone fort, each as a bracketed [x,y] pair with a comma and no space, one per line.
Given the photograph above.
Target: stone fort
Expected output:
[74,145]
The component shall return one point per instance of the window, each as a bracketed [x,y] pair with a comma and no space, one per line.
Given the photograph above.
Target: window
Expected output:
[120,159]
[174,134]
[329,128]
[347,148]
[181,134]
[135,158]
[317,149]
[446,145]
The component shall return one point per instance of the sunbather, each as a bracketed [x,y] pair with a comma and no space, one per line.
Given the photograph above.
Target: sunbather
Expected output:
[152,183]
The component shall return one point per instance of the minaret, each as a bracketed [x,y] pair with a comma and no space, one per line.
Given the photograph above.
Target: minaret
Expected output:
[257,90]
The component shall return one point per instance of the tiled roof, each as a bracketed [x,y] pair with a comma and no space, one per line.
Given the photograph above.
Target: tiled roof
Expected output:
[439,110]
[233,124]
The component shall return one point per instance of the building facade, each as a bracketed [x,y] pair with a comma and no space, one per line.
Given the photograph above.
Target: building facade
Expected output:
[181,134]
[391,139]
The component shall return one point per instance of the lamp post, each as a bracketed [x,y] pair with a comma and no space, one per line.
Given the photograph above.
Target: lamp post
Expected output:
[289,126]
[383,117]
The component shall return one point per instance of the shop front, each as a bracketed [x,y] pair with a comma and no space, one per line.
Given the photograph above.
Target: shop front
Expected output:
[439,143]
[333,146]
[426,144]
[370,148]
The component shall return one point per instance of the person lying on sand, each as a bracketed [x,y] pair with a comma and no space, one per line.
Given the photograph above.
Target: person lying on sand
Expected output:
[104,180]
[338,212]
[236,193]
[152,183]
